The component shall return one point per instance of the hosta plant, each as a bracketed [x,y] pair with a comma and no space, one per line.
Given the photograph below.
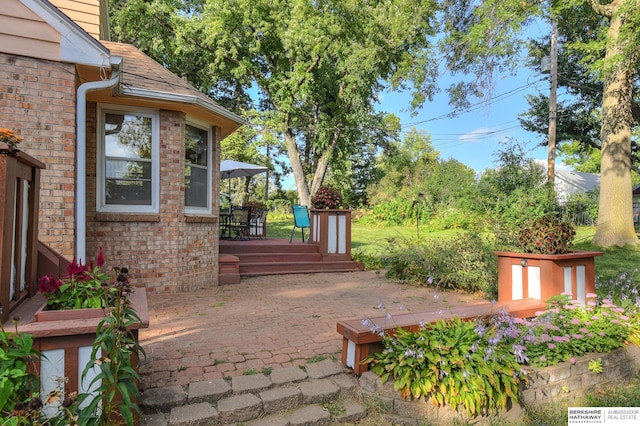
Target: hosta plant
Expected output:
[450,363]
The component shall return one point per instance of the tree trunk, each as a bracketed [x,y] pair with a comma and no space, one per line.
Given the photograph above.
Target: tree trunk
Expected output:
[615,212]
[296,166]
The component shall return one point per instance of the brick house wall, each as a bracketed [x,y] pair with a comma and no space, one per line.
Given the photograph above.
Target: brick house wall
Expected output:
[37,101]
[169,251]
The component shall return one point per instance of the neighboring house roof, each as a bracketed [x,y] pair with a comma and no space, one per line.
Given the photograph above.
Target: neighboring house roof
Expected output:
[568,182]
[636,190]
[145,78]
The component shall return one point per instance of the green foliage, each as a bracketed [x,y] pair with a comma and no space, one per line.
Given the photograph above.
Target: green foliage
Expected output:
[546,235]
[16,384]
[461,263]
[595,366]
[80,288]
[479,364]
[115,350]
[450,364]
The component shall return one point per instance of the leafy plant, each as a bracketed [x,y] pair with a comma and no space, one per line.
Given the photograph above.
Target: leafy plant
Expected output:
[16,383]
[81,287]
[460,263]
[546,235]
[327,198]
[595,366]
[450,363]
[116,351]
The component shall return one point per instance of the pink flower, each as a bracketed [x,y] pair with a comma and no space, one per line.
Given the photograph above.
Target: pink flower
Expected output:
[76,270]
[551,346]
[543,358]
[591,295]
[100,258]
[572,360]
[48,284]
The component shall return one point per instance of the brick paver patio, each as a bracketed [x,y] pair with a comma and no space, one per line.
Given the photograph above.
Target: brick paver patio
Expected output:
[268,322]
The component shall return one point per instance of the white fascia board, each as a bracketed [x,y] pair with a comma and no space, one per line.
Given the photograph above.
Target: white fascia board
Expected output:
[76,45]
[182,98]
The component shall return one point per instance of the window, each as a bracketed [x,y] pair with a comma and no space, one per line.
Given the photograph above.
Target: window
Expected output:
[197,170]
[128,170]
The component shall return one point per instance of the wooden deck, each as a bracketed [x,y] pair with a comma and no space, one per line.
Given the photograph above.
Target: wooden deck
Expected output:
[271,256]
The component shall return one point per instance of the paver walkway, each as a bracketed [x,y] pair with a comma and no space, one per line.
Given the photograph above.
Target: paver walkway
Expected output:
[268,322]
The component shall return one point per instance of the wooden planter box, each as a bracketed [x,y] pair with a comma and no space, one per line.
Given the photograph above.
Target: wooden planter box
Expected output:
[66,338]
[331,230]
[541,276]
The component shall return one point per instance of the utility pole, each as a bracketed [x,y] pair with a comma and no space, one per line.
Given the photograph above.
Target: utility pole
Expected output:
[553,105]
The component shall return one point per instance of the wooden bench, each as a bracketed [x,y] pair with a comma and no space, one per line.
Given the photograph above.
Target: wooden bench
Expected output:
[359,341]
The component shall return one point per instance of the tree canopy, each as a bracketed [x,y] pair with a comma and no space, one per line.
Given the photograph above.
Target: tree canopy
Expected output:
[315,69]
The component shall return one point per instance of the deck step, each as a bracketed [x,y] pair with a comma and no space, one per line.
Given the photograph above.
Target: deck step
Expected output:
[274,268]
[276,257]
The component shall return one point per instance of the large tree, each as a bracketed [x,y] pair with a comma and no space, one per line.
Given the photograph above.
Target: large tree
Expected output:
[485,35]
[315,67]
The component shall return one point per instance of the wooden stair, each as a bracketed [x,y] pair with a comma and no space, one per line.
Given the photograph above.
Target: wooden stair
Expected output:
[274,256]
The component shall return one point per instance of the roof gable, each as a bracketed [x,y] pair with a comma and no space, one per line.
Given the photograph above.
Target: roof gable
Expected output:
[74,44]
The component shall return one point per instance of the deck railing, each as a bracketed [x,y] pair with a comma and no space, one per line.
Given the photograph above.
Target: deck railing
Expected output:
[19,196]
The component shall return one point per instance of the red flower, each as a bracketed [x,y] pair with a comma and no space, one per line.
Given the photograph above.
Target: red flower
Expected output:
[100,258]
[76,270]
[48,284]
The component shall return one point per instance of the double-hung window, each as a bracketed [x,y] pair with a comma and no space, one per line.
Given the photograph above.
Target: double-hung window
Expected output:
[197,170]
[128,161]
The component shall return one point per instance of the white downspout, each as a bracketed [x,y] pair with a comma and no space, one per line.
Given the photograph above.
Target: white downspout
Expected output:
[81,147]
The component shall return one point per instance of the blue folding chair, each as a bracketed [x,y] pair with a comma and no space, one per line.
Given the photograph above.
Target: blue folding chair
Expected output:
[300,220]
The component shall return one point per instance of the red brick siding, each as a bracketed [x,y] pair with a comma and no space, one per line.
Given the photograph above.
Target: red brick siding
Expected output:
[37,101]
[163,251]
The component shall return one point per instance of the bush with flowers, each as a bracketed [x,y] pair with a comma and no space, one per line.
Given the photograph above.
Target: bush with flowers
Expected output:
[9,137]
[327,198]
[480,364]
[114,356]
[82,286]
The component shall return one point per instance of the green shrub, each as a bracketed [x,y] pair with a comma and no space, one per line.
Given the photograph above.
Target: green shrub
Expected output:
[462,263]
[17,385]
[450,364]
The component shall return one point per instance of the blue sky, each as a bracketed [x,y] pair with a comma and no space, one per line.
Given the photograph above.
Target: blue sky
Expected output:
[472,137]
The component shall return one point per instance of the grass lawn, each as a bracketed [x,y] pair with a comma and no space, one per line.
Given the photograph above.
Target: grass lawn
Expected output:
[371,240]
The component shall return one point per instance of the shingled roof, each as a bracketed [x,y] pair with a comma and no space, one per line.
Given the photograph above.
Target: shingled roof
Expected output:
[143,77]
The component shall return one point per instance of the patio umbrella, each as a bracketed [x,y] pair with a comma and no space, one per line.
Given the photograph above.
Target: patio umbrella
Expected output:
[233,169]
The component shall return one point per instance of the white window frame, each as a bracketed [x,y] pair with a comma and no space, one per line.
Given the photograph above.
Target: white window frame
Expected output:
[101,205]
[203,126]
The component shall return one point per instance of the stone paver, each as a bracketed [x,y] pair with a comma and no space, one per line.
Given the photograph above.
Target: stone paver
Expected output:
[322,369]
[267,322]
[280,399]
[201,413]
[311,415]
[251,383]
[319,390]
[239,408]
[284,375]
[208,390]
[161,399]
